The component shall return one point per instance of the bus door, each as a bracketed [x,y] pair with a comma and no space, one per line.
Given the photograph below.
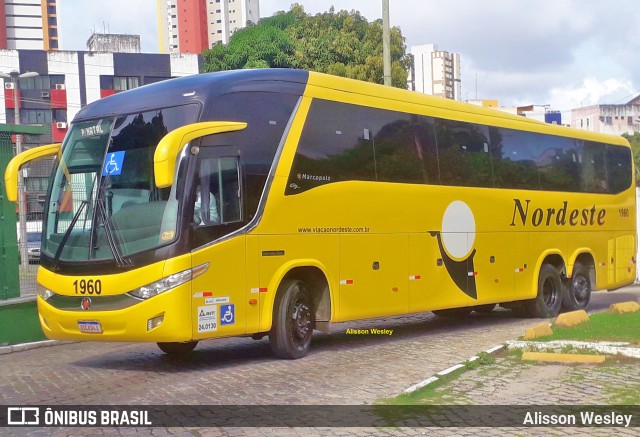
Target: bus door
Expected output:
[219,304]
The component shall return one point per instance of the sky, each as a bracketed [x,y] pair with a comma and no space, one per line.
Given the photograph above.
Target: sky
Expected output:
[562,53]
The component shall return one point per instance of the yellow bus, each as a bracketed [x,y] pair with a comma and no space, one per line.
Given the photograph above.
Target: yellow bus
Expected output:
[274,202]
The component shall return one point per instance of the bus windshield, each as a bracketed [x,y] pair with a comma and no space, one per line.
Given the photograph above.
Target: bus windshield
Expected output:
[103,202]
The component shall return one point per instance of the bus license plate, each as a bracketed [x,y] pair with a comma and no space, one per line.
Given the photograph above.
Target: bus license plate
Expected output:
[90,327]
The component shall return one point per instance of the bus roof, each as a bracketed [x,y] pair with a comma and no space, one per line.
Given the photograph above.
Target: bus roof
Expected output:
[195,88]
[202,87]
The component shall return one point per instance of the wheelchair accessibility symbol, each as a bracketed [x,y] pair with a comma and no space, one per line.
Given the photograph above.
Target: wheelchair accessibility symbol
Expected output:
[113,164]
[227,314]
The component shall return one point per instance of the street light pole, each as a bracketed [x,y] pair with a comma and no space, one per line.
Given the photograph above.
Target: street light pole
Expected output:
[386,43]
[14,77]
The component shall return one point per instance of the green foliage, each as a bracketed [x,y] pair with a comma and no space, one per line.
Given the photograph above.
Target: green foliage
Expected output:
[634,140]
[339,43]
[605,326]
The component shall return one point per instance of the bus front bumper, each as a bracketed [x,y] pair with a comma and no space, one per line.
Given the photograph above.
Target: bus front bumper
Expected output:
[162,318]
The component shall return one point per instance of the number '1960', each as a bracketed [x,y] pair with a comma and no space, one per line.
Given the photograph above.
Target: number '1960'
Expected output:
[88,286]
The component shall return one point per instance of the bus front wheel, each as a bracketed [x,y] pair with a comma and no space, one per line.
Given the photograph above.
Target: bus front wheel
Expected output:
[578,292]
[177,349]
[547,302]
[293,321]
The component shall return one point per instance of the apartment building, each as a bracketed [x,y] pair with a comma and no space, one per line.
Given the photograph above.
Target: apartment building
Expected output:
[435,72]
[28,24]
[66,82]
[608,119]
[190,26]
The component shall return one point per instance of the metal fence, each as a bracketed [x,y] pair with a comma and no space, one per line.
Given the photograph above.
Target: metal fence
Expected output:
[17,278]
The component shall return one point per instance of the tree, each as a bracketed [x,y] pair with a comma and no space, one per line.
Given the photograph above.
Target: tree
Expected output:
[339,43]
[634,140]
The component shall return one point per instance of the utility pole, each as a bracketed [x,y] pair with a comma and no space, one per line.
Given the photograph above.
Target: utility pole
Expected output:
[14,77]
[386,43]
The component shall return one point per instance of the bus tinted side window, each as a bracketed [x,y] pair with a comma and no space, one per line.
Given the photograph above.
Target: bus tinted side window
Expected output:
[557,162]
[342,142]
[514,159]
[593,177]
[336,145]
[464,154]
[618,168]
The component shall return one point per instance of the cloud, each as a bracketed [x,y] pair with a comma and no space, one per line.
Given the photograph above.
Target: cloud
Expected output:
[78,18]
[592,91]
[562,52]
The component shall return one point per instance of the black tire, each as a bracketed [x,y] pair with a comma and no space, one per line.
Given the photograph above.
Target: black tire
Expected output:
[178,349]
[577,293]
[453,313]
[484,309]
[547,302]
[293,321]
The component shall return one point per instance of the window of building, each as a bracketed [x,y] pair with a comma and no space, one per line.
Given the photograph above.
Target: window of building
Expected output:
[119,83]
[35,116]
[59,115]
[43,82]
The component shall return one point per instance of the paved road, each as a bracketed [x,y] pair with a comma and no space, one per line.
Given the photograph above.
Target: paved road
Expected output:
[341,368]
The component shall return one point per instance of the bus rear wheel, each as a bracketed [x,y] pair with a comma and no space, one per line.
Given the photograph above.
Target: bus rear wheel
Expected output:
[178,349]
[547,302]
[578,292]
[293,321]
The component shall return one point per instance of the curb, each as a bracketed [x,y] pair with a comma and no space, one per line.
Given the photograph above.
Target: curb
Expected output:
[551,357]
[448,370]
[17,301]
[610,348]
[28,346]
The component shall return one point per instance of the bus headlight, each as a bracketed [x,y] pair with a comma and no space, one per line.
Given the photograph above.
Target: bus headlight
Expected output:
[168,283]
[44,293]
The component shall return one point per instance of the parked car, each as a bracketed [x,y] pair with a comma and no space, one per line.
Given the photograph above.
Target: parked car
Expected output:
[34,240]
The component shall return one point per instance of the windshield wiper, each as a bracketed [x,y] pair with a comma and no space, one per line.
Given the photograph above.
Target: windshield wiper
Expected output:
[67,233]
[108,230]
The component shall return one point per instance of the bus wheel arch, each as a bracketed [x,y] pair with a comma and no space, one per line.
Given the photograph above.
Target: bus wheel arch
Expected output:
[302,302]
[578,288]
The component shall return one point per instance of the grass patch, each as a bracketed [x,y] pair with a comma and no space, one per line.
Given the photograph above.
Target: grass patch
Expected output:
[434,393]
[604,326]
[437,392]
[623,396]
[20,324]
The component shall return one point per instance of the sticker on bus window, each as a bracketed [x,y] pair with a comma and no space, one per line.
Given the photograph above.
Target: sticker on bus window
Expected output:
[168,235]
[113,164]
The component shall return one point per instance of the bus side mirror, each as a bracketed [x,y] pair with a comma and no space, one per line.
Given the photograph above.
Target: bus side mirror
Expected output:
[11,173]
[164,159]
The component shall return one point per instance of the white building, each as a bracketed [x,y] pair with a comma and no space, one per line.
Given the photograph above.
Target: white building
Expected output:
[436,72]
[28,24]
